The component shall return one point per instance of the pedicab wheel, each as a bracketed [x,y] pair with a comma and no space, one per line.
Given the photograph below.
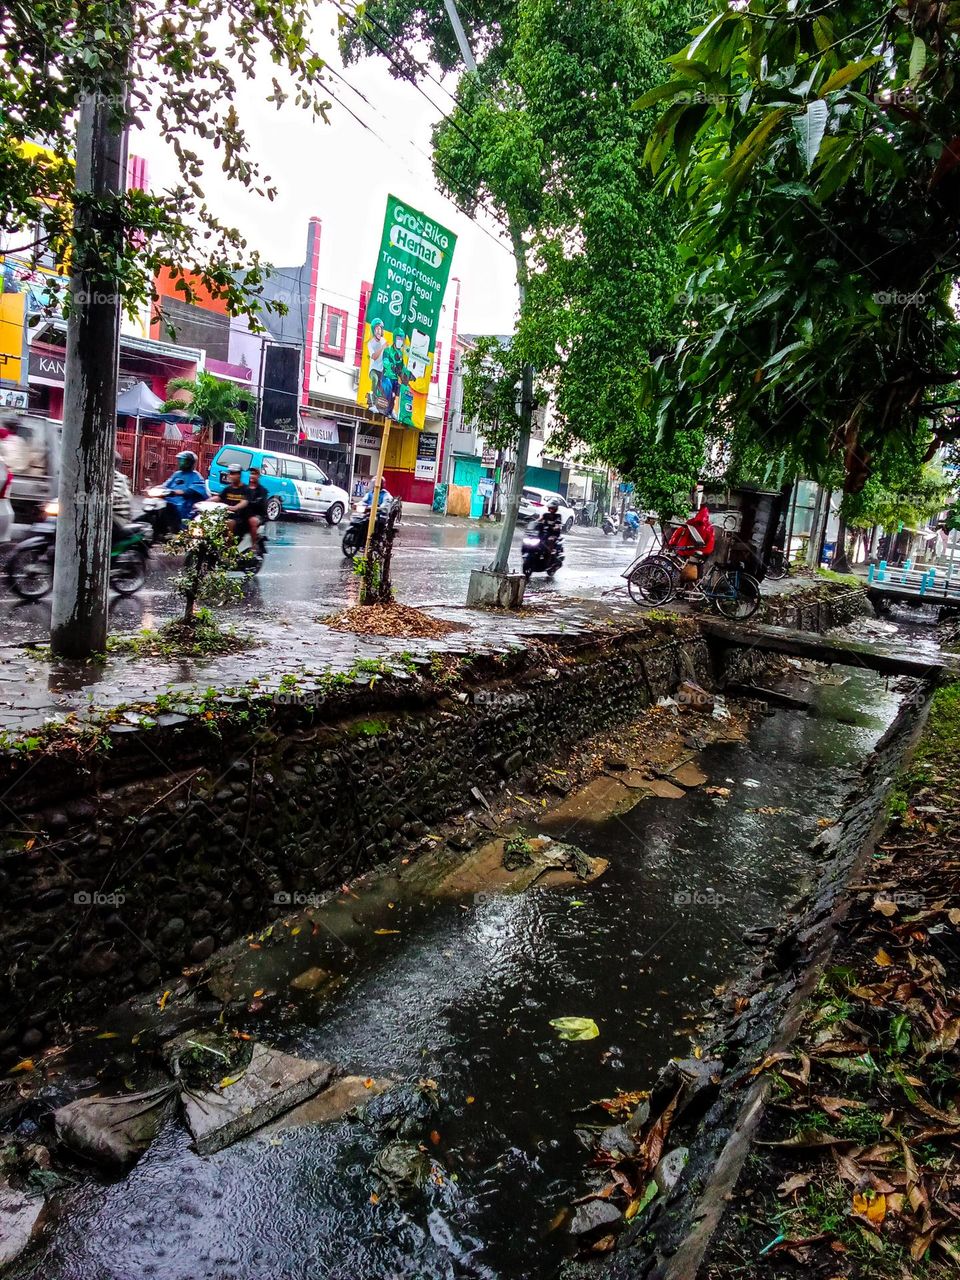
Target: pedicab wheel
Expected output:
[656,586]
[778,567]
[635,583]
[736,596]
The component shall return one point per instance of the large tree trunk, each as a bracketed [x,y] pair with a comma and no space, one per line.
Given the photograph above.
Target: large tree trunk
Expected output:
[841,562]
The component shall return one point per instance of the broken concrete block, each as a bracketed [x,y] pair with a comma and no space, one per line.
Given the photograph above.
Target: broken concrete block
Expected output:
[332,1103]
[20,1216]
[273,1083]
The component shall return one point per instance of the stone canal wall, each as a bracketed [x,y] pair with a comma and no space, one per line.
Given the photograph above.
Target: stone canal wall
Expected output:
[125,856]
[119,869]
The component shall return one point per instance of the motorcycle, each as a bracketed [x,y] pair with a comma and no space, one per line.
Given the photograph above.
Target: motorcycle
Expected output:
[355,538]
[154,512]
[611,523]
[250,558]
[29,569]
[540,555]
[631,527]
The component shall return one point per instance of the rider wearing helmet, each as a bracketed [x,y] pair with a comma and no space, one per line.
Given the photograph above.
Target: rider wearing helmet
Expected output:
[186,487]
[550,524]
[237,497]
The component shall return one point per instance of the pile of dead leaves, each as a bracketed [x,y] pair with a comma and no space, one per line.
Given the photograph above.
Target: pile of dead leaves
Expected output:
[396,620]
[634,1158]
[862,1134]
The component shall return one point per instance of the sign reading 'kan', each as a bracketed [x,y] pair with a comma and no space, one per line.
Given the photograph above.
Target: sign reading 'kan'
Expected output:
[403,314]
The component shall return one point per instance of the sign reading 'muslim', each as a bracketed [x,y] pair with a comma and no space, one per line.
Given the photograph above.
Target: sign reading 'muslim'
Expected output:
[403,314]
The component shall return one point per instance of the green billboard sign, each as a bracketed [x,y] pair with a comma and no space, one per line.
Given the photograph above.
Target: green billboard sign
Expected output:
[403,314]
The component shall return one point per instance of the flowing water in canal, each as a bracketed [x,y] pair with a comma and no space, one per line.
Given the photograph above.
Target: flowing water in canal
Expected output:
[464,993]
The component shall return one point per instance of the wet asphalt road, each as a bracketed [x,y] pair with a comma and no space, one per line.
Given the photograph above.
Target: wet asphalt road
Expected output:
[306,573]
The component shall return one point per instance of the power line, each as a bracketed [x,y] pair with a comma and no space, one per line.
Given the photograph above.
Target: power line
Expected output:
[423,93]
[432,160]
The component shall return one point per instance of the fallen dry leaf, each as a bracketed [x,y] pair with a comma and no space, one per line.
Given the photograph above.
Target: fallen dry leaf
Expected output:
[796,1182]
[871,1206]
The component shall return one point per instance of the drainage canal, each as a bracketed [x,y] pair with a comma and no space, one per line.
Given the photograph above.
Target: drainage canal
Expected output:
[462,993]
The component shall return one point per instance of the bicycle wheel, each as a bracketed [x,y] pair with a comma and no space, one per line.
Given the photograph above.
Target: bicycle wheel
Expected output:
[778,567]
[657,585]
[638,575]
[736,595]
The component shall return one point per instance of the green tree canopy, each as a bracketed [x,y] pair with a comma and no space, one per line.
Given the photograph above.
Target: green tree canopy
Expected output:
[816,149]
[179,61]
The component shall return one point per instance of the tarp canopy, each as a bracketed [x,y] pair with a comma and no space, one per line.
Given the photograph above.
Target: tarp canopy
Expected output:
[138,401]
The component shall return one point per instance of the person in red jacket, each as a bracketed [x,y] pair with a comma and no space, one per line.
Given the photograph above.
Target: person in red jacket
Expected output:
[695,536]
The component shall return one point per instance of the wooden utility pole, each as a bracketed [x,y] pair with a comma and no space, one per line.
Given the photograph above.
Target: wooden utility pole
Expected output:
[82,559]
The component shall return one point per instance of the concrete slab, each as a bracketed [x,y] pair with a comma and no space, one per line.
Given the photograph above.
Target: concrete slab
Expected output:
[20,1216]
[272,1084]
[333,1103]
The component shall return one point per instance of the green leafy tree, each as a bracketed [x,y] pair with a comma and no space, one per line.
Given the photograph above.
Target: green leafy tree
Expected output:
[816,149]
[213,400]
[543,138]
[178,62]
[902,489]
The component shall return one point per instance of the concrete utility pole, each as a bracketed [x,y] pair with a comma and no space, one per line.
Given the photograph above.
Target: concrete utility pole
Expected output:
[495,585]
[82,563]
[466,53]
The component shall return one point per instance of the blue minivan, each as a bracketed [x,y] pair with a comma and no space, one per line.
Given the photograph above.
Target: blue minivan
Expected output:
[292,483]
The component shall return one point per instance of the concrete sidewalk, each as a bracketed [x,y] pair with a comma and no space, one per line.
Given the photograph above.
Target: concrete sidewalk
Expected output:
[36,691]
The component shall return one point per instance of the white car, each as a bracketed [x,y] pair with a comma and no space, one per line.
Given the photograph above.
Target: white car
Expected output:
[292,483]
[6,507]
[533,502]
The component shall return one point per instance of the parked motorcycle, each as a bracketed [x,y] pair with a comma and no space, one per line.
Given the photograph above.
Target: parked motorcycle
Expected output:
[611,523]
[251,555]
[29,568]
[540,555]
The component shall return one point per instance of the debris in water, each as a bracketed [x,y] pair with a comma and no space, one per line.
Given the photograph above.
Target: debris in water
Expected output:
[273,1082]
[113,1131]
[575,1028]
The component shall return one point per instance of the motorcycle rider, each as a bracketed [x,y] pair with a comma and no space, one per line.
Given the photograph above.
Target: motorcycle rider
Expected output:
[385,499]
[186,488]
[258,504]
[236,496]
[550,526]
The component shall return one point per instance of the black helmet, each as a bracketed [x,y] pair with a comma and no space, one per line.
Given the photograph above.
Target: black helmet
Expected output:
[187,454]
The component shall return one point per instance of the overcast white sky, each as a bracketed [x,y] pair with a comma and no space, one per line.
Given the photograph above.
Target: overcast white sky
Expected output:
[343,173]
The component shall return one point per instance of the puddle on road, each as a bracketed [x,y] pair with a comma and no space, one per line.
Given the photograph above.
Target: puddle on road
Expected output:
[463,992]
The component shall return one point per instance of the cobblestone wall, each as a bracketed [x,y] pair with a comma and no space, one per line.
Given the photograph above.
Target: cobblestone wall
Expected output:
[116,884]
